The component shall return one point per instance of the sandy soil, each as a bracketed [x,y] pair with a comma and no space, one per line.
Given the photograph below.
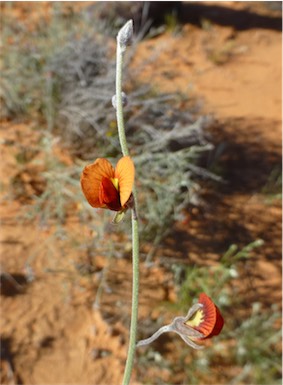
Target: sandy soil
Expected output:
[51,332]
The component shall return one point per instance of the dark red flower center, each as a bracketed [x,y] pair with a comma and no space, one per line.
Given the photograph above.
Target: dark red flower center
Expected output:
[109,195]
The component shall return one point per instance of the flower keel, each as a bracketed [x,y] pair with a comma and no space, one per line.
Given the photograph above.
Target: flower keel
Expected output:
[109,195]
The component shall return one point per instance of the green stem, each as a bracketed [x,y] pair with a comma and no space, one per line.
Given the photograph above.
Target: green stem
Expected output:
[135,232]
[135,293]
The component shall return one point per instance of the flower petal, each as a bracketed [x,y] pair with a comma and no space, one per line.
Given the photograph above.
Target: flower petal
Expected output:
[213,321]
[218,324]
[125,172]
[109,195]
[91,179]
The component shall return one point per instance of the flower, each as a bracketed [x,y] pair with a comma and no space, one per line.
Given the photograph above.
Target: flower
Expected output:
[106,187]
[202,321]
[207,319]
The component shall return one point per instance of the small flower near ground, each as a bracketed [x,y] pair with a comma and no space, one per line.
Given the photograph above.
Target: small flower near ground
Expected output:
[107,187]
[203,321]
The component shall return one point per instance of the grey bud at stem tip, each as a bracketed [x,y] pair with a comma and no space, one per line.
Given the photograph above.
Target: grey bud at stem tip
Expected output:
[125,35]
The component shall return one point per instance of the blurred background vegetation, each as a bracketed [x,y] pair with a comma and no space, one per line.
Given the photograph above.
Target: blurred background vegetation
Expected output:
[60,74]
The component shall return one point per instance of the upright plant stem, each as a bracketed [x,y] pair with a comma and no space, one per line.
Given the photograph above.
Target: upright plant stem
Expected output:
[135,234]
[135,294]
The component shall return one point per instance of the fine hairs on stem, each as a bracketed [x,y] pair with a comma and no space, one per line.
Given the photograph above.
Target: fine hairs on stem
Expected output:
[124,39]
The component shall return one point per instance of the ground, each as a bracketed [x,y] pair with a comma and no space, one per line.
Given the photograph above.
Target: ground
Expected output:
[52,332]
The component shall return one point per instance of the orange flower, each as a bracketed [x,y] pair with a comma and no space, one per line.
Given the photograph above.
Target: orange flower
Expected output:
[106,187]
[202,321]
[207,319]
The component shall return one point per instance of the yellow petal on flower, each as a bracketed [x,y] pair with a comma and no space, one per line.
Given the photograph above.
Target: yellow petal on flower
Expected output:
[125,172]
[91,180]
[196,319]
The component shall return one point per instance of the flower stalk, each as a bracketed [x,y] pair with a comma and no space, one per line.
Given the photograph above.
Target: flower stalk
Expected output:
[123,40]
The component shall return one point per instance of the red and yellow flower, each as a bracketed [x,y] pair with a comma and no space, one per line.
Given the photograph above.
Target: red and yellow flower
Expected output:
[107,187]
[207,319]
[202,321]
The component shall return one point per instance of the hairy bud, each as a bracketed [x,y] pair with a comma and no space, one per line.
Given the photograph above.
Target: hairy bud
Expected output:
[125,35]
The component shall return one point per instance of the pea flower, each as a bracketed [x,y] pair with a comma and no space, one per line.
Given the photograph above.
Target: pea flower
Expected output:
[106,187]
[203,320]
